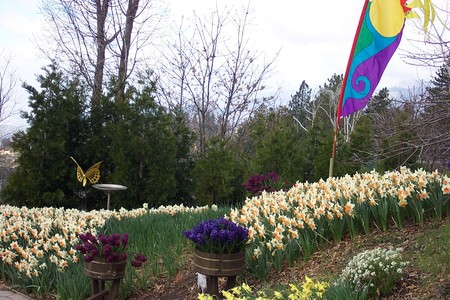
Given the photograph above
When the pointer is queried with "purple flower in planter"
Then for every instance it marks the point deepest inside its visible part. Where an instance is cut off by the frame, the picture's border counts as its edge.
(218, 236)
(112, 248)
(124, 239)
(88, 258)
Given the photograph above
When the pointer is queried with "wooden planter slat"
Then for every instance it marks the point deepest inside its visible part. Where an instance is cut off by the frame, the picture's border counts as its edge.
(99, 271)
(215, 265)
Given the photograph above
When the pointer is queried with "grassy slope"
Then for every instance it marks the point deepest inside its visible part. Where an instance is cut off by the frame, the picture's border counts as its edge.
(426, 247)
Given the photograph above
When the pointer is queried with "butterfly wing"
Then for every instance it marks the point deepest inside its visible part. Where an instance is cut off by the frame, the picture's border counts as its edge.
(80, 174)
(93, 173)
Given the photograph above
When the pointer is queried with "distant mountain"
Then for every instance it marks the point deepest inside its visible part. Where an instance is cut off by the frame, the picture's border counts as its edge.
(6, 131)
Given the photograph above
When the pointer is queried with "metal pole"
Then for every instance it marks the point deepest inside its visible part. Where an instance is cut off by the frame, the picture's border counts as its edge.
(107, 204)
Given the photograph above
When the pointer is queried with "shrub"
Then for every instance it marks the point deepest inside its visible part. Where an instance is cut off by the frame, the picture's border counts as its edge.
(269, 182)
(378, 269)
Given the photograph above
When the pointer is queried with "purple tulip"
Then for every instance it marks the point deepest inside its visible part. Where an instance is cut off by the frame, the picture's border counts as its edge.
(136, 263)
(88, 258)
(140, 257)
(124, 239)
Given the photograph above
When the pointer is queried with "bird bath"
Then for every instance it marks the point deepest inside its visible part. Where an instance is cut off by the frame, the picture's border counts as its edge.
(108, 188)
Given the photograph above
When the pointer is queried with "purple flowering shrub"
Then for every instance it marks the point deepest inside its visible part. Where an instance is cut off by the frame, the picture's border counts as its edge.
(218, 236)
(110, 247)
(269, 182)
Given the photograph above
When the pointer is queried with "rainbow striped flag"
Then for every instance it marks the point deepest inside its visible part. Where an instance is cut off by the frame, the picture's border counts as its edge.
(378, 36)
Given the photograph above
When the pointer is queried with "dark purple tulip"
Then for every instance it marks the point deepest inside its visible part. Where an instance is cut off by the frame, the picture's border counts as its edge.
(122, 257)
(91, 238)
(124, 239)
(88, 258)
(103, 239)
(136, 263)
(107, 251)
(95, 251)
(140, 257)
(83, 238)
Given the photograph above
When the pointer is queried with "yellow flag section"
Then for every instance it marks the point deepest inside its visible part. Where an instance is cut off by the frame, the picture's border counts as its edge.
(382, 10)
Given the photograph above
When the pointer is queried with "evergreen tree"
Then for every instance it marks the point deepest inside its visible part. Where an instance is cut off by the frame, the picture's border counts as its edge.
(143, 150)
(367, 140)
(278, 149)
(434, 122)
(379, 103)
(217, 175)
(45, 175)
(300, 106)
(184, 139)
(316, 152)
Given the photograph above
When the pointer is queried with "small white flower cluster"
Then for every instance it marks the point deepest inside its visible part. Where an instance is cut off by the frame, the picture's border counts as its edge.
(374, 267)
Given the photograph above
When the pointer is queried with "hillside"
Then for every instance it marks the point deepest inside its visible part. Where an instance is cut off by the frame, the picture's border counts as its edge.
(426, 247)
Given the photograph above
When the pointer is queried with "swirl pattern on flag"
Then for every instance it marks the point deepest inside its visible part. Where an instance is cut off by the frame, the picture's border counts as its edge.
(379, 37)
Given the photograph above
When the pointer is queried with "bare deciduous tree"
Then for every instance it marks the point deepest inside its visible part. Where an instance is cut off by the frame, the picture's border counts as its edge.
(325, 104)
(211, 70)
(8, 85)
(432, 47)
(98, 38)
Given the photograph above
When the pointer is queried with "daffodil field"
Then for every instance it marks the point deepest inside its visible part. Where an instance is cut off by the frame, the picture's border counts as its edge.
(37, 245)
(284, 226)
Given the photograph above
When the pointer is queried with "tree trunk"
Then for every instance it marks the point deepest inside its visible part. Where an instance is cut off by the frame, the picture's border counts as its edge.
(132, 9)
(102, 12)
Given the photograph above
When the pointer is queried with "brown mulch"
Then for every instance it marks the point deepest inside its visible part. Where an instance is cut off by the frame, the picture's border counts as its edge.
(329, 261)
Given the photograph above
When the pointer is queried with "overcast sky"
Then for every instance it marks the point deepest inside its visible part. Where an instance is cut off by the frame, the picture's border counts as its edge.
(315, 39)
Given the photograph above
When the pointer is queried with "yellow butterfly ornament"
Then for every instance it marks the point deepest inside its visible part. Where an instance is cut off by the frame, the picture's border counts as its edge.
(92, 174)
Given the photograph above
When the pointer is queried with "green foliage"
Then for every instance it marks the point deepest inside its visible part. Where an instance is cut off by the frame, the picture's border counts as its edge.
(216, 174)
(278, 151)
(57, 129)
(345, 291)
(274, 144)
(143, 151)
(184, 139)
(140, 145)
(379, 104)
(73, 283)
(300, 107)
(316, 152)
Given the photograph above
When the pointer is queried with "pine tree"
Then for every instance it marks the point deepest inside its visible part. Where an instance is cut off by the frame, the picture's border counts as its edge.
(57, 128)
(300, 106)
(143, 150)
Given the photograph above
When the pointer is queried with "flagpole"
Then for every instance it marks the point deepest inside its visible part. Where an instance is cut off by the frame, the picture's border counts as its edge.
(344, 83)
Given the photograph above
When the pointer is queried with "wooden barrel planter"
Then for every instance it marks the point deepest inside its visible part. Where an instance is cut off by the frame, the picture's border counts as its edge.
(99, 271)
(215, 265)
